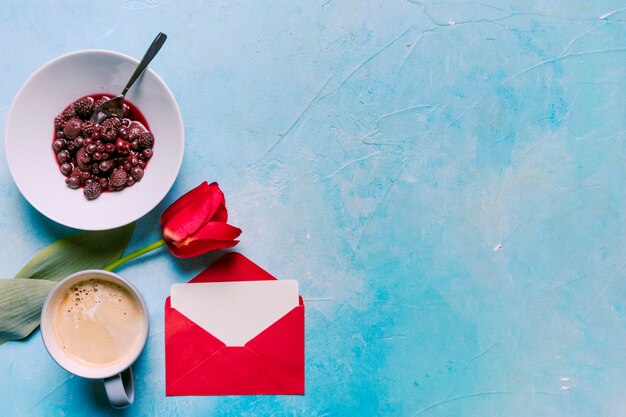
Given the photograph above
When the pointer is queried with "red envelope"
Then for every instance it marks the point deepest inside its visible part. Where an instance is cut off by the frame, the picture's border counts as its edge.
(197, 363)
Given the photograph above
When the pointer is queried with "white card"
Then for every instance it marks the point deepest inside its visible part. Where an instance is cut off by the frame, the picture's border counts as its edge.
(235, 312)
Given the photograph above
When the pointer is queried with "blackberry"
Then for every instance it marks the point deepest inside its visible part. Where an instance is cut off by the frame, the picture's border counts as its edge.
(92, 190)
(98, 103)
(59, 122)
(111, 123)
(118, 177)
(84, 107)
(69, 113)
(145, 140)
(88, 128)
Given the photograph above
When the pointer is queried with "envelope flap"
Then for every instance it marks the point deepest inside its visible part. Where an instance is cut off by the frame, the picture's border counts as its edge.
(232, 266)
(235, 312)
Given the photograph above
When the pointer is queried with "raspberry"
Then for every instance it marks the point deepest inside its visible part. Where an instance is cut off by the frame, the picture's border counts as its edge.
(146, 140)
(84, 107)
(118, 177)
(88, 128)
(109, 128)
(92, 190)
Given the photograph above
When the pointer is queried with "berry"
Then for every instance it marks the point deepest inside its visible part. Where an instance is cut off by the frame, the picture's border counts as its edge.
(105, 166)
(109, 134)
(136, 173)
(146, 140)
(63, 157)
(58, 122)
(92, 148)
(67, 168)
(130, 181)
(84, 107)
(122, 146)
(147, 153)
(58, 145)
(109, 147)
(92, 190)
(98, 103)
(83, 159)
(69, 113)
(104, 183)
(72, 127)
(88, 128)
(97, 134)
(73, 181)
(109, 128)
(111, 123)
(118, 177)
(79, 142)
(71, 148)
(135, 129)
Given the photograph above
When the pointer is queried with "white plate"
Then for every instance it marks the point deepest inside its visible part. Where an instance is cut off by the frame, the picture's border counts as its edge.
(29, 133)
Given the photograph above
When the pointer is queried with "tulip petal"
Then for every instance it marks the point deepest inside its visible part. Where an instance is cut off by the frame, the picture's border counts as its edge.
(184, 201)
(221, 214)
(214, 235)
(200, 247)
(198, 210)
(217, 231)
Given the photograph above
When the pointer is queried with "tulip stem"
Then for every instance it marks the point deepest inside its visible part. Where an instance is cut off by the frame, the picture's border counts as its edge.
(134, 255)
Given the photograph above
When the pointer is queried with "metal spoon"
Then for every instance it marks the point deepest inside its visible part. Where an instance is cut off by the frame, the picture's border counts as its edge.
(114, 106)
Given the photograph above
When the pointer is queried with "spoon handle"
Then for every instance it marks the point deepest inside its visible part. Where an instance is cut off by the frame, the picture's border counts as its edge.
(154, 48)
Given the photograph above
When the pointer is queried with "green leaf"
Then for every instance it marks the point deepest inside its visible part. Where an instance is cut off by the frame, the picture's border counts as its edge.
(84, 250)
(20, 306)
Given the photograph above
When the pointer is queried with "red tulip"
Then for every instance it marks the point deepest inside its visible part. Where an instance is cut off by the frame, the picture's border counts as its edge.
(196, 223)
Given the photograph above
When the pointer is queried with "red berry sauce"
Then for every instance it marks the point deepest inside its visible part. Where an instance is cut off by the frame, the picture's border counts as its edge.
(110, 156)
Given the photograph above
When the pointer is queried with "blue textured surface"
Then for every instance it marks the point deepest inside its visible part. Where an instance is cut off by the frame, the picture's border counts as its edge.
(446, 181)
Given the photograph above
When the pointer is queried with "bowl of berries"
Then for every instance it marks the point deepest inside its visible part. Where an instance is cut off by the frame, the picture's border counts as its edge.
(93, 176)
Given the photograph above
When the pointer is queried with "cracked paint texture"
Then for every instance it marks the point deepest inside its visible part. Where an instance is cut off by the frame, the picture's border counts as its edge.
(446, 181)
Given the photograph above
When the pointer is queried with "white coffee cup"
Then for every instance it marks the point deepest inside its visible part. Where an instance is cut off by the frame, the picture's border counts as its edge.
(94, 324)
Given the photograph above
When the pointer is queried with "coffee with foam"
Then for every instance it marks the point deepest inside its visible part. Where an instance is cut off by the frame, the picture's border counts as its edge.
(99, 322)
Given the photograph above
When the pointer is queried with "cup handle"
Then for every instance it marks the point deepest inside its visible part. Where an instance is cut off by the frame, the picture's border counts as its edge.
(120, 389)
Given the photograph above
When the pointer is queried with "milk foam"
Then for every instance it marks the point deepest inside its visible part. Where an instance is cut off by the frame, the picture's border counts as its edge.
(99, 322)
